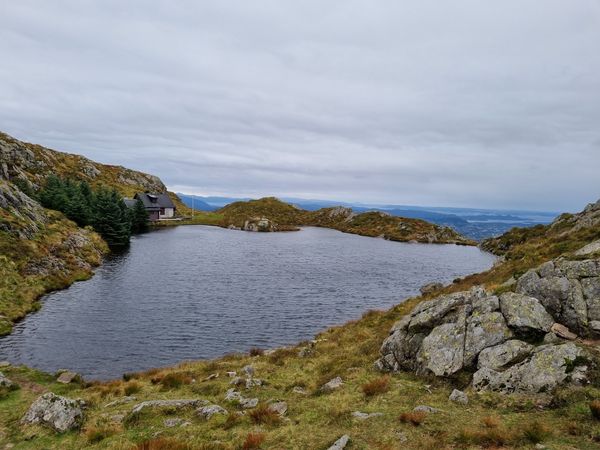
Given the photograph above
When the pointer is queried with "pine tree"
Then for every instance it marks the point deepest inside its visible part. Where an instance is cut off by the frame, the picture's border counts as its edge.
(139, 222)
(76, 207)
(53, 195)
(110, 219)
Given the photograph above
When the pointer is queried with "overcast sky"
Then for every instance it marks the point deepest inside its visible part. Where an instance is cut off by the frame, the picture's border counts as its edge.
(449, 103)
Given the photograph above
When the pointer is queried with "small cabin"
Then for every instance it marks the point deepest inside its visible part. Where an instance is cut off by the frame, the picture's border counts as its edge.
(159, 206)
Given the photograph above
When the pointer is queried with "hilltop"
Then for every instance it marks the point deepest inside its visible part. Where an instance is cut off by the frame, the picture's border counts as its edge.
(271, 214)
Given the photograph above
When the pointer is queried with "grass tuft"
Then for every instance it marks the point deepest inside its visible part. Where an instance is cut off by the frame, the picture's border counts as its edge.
(263, 415)
(377, 386)
(163, 444)
(253, 441)
(595, 409)
(415, 418)
(133, 387)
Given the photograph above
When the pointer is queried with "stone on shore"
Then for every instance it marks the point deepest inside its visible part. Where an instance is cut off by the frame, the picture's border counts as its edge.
(56, 412)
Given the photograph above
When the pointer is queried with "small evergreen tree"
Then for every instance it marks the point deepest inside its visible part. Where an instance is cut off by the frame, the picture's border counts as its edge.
(111, 219)
(139, 220)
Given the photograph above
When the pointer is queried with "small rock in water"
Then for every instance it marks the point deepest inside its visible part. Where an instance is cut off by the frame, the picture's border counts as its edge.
(459, 397)
(67, 377)
(341, 443)
(332, 385)
(426, 409)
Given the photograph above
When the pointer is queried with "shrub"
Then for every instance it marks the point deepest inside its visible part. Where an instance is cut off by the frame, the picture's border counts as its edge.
(279, 356)
(97, 434)
(163, 444)
(255, 351)
(264, 415)
(377, 386)
(490, 421)
(535, 432)
(231, 421)
(595, 409)
(132, 387)
(174, 380)
(414, 417)
(253, 441)
(575, 429)
(490, 437)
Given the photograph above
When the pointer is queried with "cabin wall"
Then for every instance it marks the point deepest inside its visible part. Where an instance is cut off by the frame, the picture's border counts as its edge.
(167, 213)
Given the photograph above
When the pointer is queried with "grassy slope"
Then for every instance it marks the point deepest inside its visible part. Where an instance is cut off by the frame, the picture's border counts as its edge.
(374, 224)
(54, 256)
(314, 421)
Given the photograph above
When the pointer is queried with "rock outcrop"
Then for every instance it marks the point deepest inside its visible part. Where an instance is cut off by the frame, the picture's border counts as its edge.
(59, 413)
(33, 163)
(517, 342)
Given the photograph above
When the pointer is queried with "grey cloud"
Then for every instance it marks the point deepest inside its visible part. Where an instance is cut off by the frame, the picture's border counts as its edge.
(464, 103)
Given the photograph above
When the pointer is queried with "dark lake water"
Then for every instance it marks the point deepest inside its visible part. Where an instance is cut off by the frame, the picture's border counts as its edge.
(194, 292)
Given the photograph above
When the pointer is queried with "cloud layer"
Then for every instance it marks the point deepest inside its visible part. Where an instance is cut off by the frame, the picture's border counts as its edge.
(463, 103)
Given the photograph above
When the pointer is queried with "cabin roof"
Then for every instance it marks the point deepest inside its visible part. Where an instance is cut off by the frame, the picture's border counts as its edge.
(154, 201)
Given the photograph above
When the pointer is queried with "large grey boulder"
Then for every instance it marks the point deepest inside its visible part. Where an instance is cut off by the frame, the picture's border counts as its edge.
(442, 350)
(505, 354)
(526, 315)
(483, 331)
(569, 290)
(548, 367)
(59, 413)
(444, 335)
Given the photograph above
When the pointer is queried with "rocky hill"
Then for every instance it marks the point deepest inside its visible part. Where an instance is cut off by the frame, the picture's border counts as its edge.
(28, 165)
(271, 214)
(40, 250)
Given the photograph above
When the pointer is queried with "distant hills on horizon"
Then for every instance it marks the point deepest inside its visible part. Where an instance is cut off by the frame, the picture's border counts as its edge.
(475, 223)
